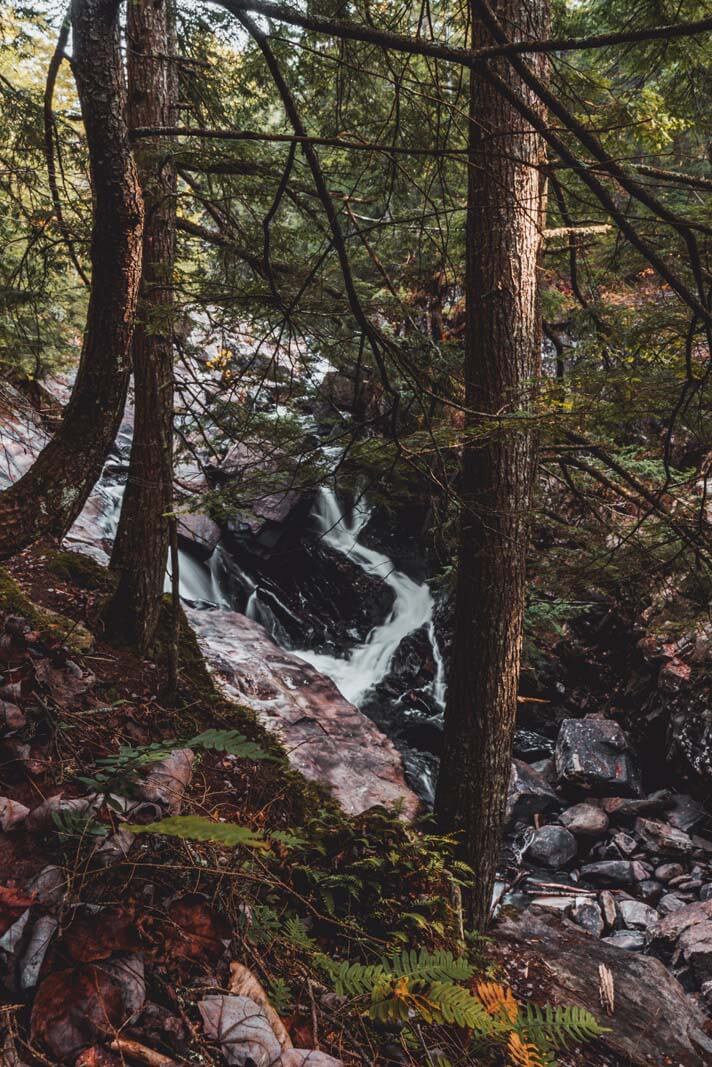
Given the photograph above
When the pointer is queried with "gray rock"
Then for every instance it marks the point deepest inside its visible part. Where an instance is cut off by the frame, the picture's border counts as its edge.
(706, 994)
(636, 915)
(664, 839)
(631, 940)
(588, 915)
(625, 844)
(667, 871)
(650, 890)
(669, 903)
(695, 944)
(609, 873)
(608, 907)
(546, 768)
(585, 819)
(199, 532)
(528, 794)
(552, 846)
(706, 892)
(626, 809)
(593, 753)
(668, 929)
(654, 1021)
(685, 813)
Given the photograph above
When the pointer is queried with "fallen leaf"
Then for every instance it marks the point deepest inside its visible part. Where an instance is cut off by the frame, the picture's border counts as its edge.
(13, 903)
(242, 1030)
(299, 1057)
(196, 931)
(31, 963)
(76, 1007)
(243, 983)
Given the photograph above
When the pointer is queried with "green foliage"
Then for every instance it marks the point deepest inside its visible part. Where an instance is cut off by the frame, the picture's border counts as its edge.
(197, 828)
(425, 985)
(119, 772)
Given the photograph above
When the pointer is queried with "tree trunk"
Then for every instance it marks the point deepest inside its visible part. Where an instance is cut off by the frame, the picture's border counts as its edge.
(141, 547)
(47, 500)
(502, 359)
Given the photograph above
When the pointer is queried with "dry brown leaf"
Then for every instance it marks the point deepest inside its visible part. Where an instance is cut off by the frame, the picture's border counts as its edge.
(243, 983)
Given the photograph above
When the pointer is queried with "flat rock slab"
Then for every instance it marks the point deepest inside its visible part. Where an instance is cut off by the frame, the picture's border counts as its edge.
(593, 754)
(328, 739)
(654, 1023)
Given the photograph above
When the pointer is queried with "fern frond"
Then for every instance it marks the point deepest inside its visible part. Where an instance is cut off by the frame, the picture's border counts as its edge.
(455, 1004)
(232, 742)
(356, 979)
(558, 1026)
(424, 966)
(524, 1053)
(498, 1000)
(196, 828)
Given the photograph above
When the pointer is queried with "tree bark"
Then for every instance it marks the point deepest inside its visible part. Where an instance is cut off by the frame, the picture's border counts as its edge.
(502, 361)
(141, 546)
(47, 500)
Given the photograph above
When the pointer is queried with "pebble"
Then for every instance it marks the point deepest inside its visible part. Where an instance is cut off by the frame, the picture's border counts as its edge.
(589, 916)
(669, 903)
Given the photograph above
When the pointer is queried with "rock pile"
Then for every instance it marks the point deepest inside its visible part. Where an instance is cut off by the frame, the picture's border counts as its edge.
(630, 869)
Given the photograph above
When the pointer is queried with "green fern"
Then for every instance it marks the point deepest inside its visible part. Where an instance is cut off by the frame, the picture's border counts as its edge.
(118, 772)
(196, 828)
(559, 1026)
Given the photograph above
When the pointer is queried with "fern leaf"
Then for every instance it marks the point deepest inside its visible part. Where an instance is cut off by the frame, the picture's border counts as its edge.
(456, 1005)
(559, 1026)
(196, 828)
(231, 742)
(523, 1053)
(498, 1000)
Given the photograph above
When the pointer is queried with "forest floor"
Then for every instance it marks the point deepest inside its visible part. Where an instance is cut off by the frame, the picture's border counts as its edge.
(80, 897)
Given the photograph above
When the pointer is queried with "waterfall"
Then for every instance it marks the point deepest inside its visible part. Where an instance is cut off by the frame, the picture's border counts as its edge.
(367, 664)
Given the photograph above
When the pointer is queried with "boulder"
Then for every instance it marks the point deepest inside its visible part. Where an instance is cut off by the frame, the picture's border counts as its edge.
(552, 846)
(586, 819)
(668, 929)
(593, 753)
(652, 1023)
(528, 793)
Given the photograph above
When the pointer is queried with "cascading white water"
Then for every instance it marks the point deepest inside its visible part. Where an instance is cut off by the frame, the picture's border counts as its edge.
(367, 664)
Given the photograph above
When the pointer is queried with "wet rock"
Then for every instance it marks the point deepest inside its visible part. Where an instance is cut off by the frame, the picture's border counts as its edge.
(636, 915)
(593, 753)
(630, 940)
(667, 871)
(589, 916)
(199, 533)
(588, 820)
(610, 873)
(706, 891)
(664, 839)
(648, 999)
(552, 846)
(329, 740)
(528, 793)
(530, 746)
